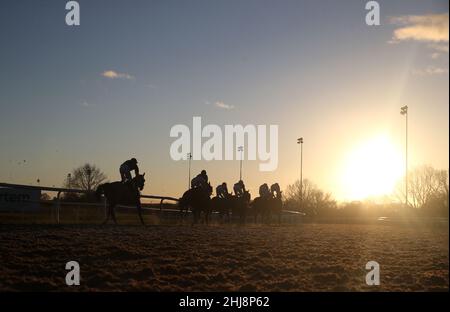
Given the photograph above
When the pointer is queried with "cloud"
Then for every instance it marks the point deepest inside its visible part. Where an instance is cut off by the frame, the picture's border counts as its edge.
(84, 104)
(439, 47)
(222, 105)
(430, 70)
(435, 55)
(439, 50)
(111, 74)
(425, 28)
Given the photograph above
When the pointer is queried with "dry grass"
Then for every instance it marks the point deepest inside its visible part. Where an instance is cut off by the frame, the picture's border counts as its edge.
(305, 257)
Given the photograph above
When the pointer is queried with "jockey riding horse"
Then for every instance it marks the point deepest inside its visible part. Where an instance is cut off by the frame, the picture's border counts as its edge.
(198, 197)
(119, 193)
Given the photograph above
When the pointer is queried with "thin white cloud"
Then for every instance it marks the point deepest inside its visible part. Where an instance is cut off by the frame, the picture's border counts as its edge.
(112, 74)
(439, 47)
(84, 104)
(435, 55)
(222, 105)
(426, 28)
(429, 71)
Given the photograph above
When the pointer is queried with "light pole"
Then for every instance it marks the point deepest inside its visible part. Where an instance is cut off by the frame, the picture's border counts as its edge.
(404, 111)
(300, 141)
(240, 149)
(189, 156)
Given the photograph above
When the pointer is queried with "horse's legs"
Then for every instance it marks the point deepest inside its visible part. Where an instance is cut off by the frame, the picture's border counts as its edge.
(139, 208)
(241, 214)
(194, 216)
(108, 214)
(113, 214)
(181, 213)
(197, 216)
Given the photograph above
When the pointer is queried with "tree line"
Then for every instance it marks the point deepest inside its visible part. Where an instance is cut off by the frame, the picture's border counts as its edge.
(428, 194)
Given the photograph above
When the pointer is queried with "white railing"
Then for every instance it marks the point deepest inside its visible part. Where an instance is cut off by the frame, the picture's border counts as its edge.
(60, 190)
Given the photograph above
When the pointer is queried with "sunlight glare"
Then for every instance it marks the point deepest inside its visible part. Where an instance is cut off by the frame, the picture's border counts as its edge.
(372, 169)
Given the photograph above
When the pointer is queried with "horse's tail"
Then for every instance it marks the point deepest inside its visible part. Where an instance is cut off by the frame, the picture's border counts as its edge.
(186, 200)
(99, 192)
(182, 202)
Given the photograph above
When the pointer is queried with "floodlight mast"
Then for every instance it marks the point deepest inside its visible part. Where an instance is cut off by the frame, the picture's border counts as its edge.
(404, 111)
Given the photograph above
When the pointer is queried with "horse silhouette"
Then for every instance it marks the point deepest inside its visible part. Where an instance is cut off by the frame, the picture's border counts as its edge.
(118, 193)
(232, 204)
(222, 206)
(275, 206)
(261, 207)
(265, 207)
(198, 200)
(240, 206)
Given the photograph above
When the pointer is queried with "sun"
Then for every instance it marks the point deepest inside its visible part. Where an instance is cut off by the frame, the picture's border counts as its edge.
(372, 168)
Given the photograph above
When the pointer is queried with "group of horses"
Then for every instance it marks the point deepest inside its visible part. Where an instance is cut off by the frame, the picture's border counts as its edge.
(197, 200)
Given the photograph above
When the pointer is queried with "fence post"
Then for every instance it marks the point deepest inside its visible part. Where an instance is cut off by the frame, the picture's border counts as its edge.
(105, 206)
(58, 204)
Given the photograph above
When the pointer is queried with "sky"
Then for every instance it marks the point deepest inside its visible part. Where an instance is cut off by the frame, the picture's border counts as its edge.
(113, 87)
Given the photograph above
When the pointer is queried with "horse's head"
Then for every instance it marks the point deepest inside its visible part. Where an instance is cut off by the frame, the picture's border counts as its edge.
(209, 189)
(247, 196)
(279, 195)
(139, 181)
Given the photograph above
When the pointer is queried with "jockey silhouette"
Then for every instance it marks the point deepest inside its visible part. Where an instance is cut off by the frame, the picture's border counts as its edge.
(126, 168)
(264, 191)
(222, 190)
(275, 188)
(239, 188)
(200, 181)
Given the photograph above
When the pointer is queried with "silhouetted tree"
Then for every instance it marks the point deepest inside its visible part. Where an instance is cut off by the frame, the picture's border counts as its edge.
(87, 177)
(45, 196)
(427, 187)
(308, 198)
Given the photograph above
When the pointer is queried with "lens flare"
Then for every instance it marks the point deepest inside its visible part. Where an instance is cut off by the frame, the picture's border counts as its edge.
(372, 169)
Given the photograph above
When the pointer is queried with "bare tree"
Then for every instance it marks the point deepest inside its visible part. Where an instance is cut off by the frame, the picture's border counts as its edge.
(87, 177)
(45, 196)
(425, 184)
(308, 198)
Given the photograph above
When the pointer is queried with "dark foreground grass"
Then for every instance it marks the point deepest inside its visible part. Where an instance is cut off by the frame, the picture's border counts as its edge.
(302, 257)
